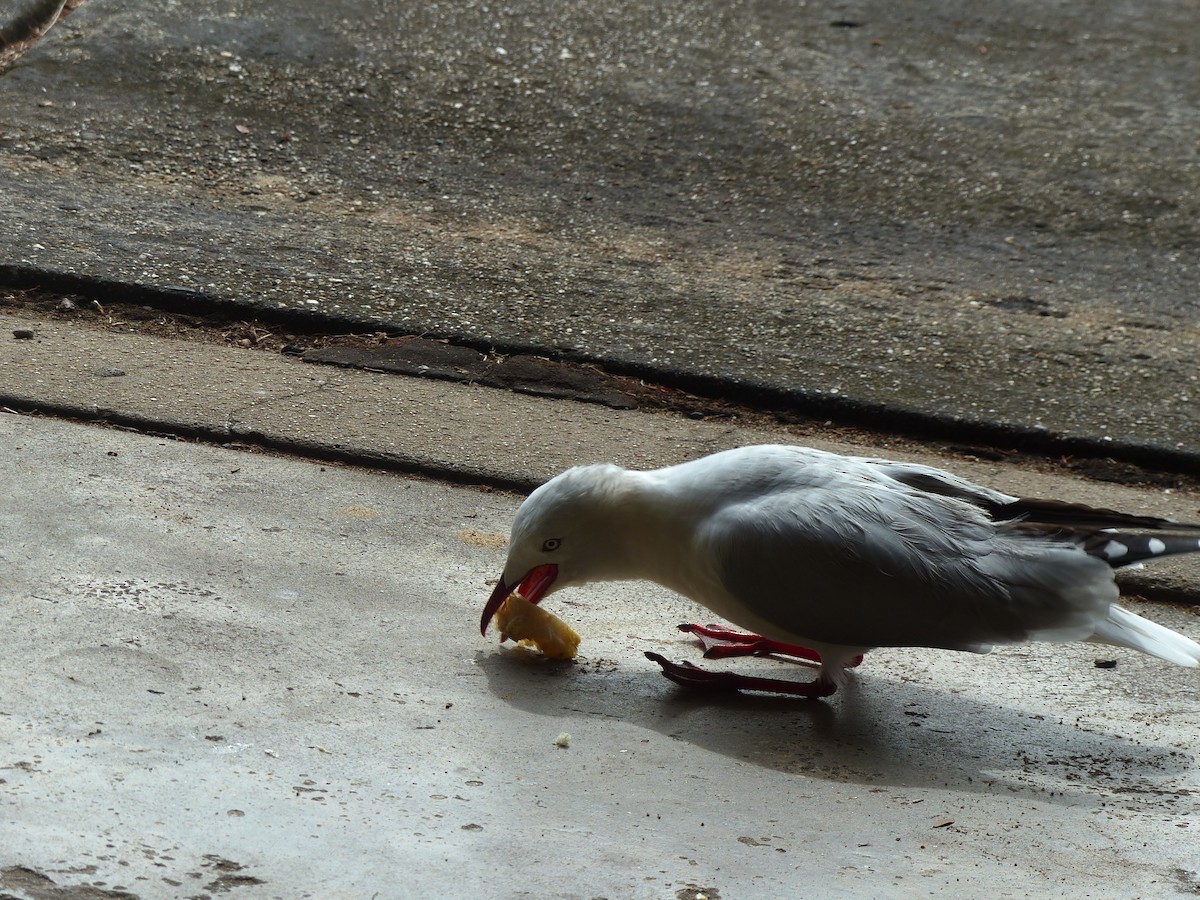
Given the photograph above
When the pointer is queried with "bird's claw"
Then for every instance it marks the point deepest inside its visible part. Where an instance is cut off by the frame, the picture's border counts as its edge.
(720, 642)
(693, 677)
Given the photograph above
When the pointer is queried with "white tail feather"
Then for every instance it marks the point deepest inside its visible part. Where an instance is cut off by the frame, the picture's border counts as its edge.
(1124, 629)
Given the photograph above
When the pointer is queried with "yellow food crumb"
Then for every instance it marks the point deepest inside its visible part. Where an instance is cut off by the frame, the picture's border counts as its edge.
(563, 740)
(520, 620)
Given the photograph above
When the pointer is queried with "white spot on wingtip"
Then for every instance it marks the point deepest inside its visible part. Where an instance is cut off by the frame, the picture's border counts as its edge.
(1114, 550)
(1155, 545)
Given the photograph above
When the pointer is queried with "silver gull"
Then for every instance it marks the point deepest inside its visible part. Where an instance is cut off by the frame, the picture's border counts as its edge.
(825, 557)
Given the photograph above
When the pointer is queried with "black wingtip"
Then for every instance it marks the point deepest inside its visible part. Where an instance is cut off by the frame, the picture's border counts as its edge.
(1036, 511)
(1119, 548)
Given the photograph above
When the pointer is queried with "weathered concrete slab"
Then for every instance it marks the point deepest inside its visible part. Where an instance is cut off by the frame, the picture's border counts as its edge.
(959, 211)
(444, 430)
(233, 674)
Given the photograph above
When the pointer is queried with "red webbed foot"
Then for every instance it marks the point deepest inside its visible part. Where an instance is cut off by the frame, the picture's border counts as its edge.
(720, 642)
(693, 677)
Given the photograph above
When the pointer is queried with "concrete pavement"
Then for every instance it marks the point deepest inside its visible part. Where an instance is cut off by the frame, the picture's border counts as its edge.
(237, 673)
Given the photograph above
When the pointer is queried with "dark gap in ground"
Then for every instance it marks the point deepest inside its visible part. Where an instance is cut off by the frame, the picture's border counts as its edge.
(254, 442)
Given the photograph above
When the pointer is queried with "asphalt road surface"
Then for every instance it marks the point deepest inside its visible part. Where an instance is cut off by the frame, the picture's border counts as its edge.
(964, 213)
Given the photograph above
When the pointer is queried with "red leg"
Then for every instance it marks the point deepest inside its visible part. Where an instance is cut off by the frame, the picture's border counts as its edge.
(689, 676)
(720, 642)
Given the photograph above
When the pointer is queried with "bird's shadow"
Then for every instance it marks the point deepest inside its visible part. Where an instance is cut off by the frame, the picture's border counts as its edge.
(877, 731)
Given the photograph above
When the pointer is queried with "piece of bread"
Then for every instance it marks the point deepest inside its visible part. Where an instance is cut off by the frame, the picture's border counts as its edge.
(522, 621)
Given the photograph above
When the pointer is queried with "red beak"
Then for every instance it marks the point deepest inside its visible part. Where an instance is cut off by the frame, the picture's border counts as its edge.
(532, 587)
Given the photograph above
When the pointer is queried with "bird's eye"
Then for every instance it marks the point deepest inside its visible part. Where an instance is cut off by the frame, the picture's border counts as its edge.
(551, 544)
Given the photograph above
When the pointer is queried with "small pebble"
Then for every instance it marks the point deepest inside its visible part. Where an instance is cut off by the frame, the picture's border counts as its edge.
(23, 334)
(1105, 664)
(66, 305)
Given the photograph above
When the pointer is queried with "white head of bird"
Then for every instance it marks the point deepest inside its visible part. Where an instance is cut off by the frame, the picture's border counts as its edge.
(577, 527)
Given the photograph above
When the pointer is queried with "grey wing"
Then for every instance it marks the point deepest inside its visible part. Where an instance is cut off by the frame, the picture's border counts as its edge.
(1006, 507)
(942, 483)
(862, 567)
